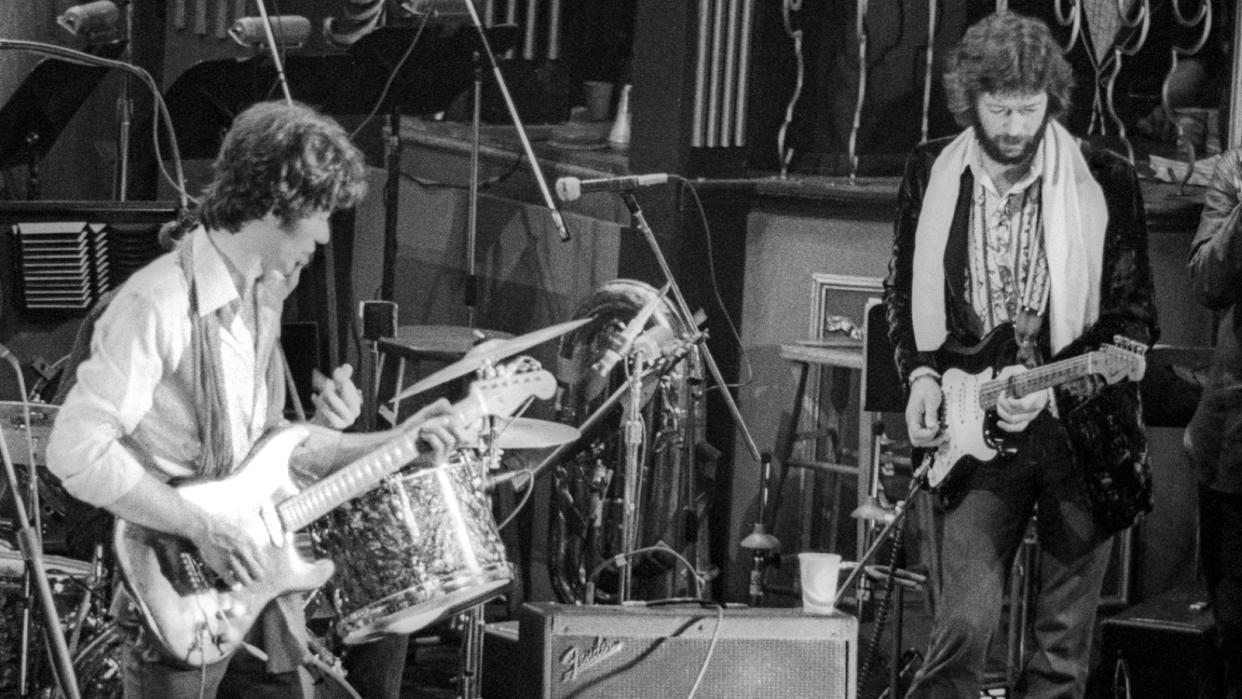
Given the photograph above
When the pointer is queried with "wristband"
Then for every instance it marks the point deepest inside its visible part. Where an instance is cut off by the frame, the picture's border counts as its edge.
(920, 372)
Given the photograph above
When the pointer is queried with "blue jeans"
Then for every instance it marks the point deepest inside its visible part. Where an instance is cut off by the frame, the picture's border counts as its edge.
(978, 538)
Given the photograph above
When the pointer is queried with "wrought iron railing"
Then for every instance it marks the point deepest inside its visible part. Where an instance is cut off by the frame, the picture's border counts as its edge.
(1107, 32)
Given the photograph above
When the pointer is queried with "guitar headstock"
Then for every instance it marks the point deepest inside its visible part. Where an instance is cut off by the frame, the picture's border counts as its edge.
(502, 395)
(1123, 359)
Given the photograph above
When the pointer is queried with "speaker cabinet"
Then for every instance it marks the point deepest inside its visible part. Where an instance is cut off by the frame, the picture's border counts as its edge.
(1162, 648)
(611, 651)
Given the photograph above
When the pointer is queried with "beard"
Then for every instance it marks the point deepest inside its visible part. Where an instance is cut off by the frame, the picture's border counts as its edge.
(992, 145)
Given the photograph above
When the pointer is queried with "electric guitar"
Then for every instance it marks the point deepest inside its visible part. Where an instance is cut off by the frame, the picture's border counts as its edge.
(195, 616)
(969, 399)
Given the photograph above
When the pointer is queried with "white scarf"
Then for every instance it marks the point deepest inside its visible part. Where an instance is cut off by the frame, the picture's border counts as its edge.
(1075, 219)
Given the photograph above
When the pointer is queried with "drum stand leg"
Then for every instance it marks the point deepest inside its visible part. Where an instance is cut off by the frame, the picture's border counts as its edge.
(470, 676)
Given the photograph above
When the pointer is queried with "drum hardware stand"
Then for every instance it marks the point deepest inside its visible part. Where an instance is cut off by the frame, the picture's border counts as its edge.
(640, 222)
(900, 509)
(470, 674)
(379, 320)
(597, 416)
(93, 582)
(634, 436)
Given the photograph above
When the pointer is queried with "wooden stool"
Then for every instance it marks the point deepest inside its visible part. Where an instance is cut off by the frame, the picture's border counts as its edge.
(420, 343)
(845, 354)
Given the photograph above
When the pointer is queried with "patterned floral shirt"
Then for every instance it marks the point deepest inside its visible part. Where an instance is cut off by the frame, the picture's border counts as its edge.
(1008, 268)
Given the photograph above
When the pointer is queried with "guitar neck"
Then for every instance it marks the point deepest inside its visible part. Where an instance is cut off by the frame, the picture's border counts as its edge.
(1036, 379)
(349, 482)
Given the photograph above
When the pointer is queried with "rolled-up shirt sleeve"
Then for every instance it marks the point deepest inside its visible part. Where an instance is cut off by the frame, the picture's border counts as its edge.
(132, 348)
(1216, 251)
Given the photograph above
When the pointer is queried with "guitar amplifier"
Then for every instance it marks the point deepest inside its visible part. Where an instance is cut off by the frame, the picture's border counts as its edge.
(610, 651)
(1161, 648)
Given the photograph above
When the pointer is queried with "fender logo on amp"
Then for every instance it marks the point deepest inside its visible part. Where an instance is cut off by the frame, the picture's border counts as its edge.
(576, 661)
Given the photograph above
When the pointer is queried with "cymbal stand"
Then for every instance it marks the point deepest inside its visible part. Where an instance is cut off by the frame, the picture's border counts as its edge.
(640, 222)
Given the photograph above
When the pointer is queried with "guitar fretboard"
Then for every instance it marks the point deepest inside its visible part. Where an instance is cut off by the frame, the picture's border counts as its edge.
(348, 483)
(1036, 379)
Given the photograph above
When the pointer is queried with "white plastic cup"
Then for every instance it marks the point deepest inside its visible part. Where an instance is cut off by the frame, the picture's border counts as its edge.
(818, 573)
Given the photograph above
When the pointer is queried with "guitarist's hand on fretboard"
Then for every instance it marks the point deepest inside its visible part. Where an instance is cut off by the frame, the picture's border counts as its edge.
(923, 412)
(1017, 412)
(439, 428)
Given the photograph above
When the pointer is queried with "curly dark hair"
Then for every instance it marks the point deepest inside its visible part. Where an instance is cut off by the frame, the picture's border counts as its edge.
(1006, 53)
(286, 159)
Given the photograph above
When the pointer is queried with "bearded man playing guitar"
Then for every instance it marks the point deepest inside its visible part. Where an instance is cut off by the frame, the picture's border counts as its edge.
(185, 376)
(1017, 245)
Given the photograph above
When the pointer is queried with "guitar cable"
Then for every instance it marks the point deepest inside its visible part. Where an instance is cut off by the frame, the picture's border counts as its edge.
(881, 613)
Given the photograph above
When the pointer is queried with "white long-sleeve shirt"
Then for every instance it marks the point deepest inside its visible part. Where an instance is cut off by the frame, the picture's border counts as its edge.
(138, 384)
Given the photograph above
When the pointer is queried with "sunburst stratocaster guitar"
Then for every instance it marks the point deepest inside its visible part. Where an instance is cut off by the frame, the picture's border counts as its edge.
(968, 397)
(197, 618)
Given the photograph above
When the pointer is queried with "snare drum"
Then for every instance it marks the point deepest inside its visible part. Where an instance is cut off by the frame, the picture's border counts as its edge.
(420, 547)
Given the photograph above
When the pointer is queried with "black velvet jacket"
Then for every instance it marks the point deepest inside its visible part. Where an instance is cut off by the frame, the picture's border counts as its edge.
(1105, 430)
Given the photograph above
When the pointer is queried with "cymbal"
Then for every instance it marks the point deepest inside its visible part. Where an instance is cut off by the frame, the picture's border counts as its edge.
(529, 433)
(491, 352)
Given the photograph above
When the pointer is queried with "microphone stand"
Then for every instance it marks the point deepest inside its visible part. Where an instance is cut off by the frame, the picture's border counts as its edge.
(640, 222)
(472, 205)
(557, 218)
(276, 62)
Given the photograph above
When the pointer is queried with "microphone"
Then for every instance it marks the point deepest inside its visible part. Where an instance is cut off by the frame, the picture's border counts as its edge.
(570, 188)
(91, 18)
(289, 30)
(597, 375)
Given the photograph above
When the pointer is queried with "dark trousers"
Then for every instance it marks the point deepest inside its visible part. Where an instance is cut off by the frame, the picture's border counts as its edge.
(374, 671)
(978, 538)
(243, 675)
(1220, 554)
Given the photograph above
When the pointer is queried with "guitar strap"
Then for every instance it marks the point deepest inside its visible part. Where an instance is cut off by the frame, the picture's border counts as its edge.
(1025, 330)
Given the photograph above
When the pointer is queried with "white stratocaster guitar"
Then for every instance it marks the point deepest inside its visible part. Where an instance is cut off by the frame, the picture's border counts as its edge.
(968, 398)
(199, 619)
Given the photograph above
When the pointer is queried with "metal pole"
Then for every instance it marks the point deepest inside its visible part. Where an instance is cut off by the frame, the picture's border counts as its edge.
(640, 222)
